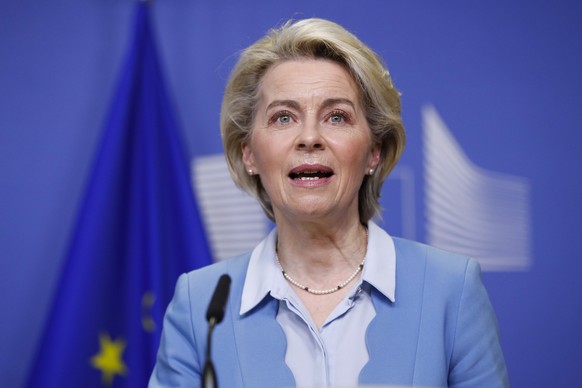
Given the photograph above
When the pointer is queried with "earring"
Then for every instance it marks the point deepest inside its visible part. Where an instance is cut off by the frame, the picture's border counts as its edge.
(371, 171)
(250, 171)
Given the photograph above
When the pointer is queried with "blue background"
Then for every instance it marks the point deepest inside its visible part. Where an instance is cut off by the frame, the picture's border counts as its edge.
(506, 77)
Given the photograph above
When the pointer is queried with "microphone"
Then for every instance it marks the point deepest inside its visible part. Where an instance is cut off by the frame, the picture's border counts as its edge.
(218, 302)
(214, 316)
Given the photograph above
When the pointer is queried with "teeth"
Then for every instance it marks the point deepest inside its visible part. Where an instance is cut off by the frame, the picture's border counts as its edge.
(310, 175)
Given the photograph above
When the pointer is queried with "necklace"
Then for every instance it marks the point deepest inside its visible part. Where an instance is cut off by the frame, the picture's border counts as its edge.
(329, 290)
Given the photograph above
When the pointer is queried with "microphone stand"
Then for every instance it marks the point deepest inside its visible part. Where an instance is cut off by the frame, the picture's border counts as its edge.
(209, 374)
(214, 316)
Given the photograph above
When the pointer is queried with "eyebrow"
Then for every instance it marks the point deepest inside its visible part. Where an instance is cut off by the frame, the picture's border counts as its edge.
(285, 103)
(336, 101)
(326, 104)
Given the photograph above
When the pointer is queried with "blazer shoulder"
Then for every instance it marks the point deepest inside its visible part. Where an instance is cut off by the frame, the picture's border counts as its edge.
(435, 259)
(434, 272)
(203, 280)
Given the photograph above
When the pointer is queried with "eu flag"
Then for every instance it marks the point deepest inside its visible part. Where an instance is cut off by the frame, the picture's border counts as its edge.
(137, 230)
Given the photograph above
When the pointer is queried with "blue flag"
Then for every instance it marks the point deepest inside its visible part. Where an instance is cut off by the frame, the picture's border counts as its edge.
(137, 230)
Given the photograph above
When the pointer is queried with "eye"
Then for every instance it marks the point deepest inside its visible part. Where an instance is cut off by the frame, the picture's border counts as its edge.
(284, 119)
(281, 118)
(338, 117)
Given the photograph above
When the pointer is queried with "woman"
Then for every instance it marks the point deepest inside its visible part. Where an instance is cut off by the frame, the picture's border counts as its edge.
(311, 126)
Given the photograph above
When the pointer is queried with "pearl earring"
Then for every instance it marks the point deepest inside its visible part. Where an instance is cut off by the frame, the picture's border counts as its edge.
(371, 171)
(250, 171)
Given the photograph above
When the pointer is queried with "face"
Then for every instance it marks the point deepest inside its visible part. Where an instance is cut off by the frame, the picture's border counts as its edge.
(310, 141)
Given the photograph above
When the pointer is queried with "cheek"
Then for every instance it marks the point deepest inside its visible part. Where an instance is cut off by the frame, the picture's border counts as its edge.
(269, 150)
(266, 163)
(356, 153)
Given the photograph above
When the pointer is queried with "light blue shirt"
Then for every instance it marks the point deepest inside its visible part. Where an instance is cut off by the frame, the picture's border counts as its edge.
(335, 354)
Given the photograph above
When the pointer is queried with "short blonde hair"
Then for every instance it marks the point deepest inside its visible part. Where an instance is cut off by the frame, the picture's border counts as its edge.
(317, 39)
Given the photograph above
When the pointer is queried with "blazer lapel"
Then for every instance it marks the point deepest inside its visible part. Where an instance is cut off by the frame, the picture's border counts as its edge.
(260, 341)
(392, 336)
(261, 347)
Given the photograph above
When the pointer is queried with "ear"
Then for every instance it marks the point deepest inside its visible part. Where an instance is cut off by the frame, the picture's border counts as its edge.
(374, 157)
(248, 157)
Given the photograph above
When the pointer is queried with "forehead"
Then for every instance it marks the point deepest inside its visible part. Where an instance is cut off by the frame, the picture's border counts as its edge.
(308, 78)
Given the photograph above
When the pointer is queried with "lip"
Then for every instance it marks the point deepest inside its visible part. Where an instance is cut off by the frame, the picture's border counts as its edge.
(307, 182)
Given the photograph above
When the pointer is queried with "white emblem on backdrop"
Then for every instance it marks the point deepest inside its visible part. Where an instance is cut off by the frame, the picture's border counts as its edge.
(234, 221)
(472, 211)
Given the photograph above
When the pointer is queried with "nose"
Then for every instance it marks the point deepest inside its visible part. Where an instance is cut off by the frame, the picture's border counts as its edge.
(309, 138)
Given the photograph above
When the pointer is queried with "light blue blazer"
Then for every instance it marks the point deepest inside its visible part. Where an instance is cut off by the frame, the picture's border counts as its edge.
(441, 331)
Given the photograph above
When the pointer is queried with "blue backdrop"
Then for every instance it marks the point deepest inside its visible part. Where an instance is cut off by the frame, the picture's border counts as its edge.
(503, 77)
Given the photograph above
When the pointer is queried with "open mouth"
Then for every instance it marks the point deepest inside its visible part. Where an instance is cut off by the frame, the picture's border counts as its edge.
(310, 175)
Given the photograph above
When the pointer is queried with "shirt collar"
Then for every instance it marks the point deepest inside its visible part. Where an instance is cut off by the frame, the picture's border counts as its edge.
(262, 274)
(264, 277)
(380, 267)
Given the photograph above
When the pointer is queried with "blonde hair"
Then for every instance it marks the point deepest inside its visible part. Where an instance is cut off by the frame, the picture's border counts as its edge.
(317, 39)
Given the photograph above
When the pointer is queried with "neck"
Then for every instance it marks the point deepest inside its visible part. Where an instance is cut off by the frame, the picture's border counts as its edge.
(321, 257)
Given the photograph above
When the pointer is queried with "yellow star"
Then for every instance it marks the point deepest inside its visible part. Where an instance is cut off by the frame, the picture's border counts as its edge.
(109, 360)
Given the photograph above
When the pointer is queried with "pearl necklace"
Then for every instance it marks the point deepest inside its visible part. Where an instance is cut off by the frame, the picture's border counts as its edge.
(329, 290)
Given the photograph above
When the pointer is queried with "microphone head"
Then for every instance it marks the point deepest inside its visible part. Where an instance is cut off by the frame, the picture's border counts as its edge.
(218, 302)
